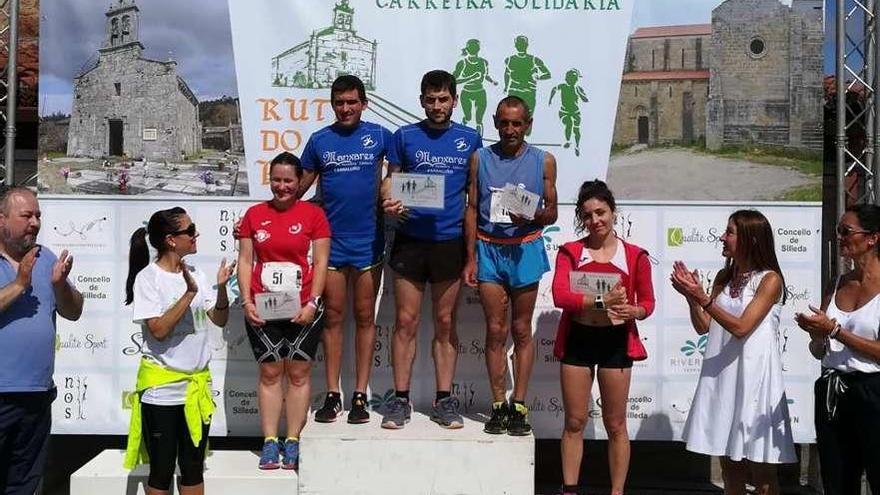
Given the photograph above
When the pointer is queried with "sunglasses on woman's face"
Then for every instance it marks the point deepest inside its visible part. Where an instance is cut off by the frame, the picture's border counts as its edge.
(190, 231)
(844, 230)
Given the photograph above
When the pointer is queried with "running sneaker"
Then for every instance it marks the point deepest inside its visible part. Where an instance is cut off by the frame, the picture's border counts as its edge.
(445, 413)
(518, 421)
(358, 413)
(497, 424)
(331, 409)
(269, 458)
(397, 414)
(290, 457)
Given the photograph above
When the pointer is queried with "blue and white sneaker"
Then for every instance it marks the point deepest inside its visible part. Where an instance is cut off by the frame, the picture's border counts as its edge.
(290, 457)
(269, 458)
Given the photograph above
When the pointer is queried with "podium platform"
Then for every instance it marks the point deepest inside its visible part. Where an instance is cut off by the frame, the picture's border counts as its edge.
(226, 473)
(421, 459)
(344, 459)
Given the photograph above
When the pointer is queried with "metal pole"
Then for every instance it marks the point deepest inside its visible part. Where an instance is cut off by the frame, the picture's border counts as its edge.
(870, 156)
(11, 92)
(840, 34)
(875, 62)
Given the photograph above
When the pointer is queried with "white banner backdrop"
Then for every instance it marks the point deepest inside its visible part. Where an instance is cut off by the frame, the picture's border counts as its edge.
(97, 356)
(564, 57)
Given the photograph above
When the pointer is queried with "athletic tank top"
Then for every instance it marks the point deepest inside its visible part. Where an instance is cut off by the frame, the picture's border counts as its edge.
(494, 171)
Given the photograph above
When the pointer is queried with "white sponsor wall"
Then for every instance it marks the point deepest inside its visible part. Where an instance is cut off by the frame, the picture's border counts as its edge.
(97, 356)
(287, 53)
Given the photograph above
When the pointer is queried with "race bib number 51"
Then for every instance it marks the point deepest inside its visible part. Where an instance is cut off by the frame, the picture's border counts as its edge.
(281, 277)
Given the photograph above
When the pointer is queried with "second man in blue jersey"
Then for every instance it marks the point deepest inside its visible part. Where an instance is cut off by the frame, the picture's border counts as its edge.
(429, 246)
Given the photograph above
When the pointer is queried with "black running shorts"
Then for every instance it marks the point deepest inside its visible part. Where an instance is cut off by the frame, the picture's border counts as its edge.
(427, 261)
(282, 339)
(604, 347)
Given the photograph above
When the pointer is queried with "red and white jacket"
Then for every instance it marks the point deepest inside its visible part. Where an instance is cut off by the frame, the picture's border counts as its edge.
(573, 256)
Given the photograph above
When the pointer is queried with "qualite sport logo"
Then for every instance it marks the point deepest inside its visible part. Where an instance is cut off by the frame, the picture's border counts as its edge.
(674, 236)
(461, 144)
(368, 141)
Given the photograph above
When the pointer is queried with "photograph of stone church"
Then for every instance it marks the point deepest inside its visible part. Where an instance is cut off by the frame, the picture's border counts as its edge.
(747, 81)
(136, 125)
(328, 53)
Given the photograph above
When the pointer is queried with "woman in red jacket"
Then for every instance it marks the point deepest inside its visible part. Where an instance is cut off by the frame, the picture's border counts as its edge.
(603, 285)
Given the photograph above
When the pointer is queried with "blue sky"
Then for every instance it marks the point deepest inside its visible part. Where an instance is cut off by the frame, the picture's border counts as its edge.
(669, 12)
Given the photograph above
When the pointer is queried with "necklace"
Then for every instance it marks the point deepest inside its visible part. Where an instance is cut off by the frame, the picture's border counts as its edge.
(738, 283)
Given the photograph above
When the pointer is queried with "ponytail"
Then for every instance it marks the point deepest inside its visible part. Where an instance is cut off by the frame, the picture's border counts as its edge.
(138, 259)
(161, 223)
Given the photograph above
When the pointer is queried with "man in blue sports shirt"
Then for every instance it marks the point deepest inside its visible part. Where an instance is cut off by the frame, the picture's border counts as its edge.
(33, 289)
(348, 157)
(429, 246)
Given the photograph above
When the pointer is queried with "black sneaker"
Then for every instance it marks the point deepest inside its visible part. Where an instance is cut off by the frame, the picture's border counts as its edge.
(518, 421)
(358, 413)
(497, 424)
(331, 409)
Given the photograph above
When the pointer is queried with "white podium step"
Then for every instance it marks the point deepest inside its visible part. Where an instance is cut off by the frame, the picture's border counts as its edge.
(421, 459)
(226, 472)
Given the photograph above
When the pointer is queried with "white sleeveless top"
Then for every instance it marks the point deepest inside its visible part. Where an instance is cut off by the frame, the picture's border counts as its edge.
(864, 322)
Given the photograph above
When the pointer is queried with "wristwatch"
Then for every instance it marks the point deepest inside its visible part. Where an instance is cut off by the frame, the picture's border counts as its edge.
(315, 301)
(599, 302)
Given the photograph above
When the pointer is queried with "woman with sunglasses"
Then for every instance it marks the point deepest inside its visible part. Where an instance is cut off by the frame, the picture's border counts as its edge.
(739, 411)
(844, 335)
(172, 302)
(275, 237)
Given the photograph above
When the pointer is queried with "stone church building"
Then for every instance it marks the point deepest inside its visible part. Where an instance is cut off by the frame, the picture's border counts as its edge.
(130, 104)
(664, 86)
(752, 76)
(328, 53)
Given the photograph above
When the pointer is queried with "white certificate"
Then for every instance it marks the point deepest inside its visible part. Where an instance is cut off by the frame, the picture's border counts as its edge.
(592, 283)
(497, 213)
(277, 305)
(519, 201)
(419, 190)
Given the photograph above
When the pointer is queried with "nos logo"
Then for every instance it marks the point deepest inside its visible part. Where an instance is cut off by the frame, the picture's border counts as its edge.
(690, 347)
(74, 397)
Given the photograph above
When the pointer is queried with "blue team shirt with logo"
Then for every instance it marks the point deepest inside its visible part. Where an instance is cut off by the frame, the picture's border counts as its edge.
(349, 162)
(419, 149)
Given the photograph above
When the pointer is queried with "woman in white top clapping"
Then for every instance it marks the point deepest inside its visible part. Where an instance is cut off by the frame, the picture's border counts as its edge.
(740, 412)
(844, 335)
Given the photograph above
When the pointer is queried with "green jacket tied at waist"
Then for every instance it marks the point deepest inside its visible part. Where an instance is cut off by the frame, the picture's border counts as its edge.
(198, 408)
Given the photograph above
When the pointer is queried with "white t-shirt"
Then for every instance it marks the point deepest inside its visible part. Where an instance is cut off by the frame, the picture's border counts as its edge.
(187, 347)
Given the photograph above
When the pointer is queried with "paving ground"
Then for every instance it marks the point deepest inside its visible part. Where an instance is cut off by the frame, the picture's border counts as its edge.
(680, 174)
(214, 174)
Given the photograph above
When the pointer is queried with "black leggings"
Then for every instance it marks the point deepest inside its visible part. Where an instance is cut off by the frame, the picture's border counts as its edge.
(167, 438)
(850, 443)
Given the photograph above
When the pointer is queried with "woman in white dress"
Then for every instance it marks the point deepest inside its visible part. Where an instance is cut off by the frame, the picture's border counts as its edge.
(740, 411)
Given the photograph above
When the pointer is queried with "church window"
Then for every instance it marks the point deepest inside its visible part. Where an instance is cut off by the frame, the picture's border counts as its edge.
(653, 60)
(757, 47)
(118, 88)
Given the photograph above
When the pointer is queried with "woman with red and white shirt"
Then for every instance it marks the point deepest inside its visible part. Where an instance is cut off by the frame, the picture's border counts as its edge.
(273, 267)
(603, 285)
